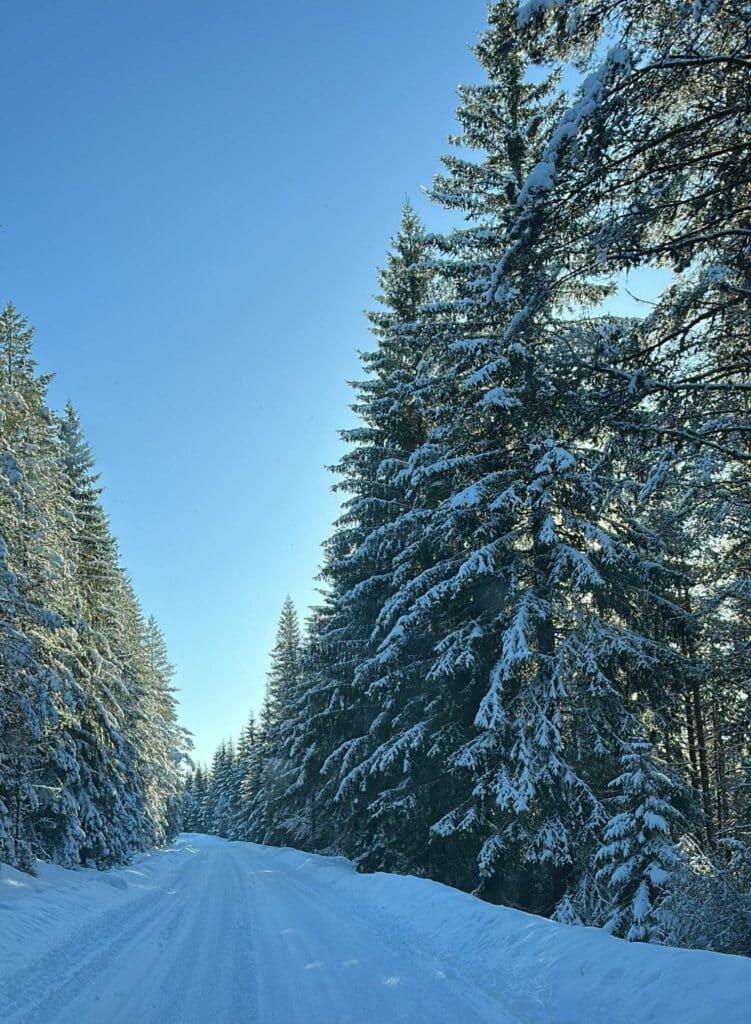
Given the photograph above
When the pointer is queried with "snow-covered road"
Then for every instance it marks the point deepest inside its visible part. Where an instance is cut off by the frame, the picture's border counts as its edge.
(225, 932)
(213, 932)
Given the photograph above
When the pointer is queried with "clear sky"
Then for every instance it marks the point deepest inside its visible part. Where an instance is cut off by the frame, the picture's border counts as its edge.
(194, 198)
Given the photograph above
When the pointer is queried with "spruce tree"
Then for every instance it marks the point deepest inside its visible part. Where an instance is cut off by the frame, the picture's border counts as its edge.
(39, 644)
(75, 685)
(639, 856)
(349, 719)
(267, 768)
(246, 780)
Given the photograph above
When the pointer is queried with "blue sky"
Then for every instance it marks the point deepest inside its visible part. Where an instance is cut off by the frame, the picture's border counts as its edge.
(194, 200)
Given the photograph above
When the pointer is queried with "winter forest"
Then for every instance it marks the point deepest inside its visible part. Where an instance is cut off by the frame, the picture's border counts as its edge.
(91, 752)
(528, 672)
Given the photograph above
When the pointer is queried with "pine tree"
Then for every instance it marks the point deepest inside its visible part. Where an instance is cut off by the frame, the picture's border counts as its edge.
(343, 719)
(195, 800)
(163, 743)
(188, 802)
(540, 577)
(306, 804)
(72, 644)
(38, 644)
(104, 784)
(518, 528)
(655, 149)
(246, 778)
(508, 552)
(267, 771)
(639, 855)
(219, 809)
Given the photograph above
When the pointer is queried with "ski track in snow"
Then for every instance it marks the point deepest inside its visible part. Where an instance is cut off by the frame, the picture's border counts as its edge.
(208, 932)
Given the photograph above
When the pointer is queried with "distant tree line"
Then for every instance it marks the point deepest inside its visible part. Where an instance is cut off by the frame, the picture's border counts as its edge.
(529, 673)
(90, 747)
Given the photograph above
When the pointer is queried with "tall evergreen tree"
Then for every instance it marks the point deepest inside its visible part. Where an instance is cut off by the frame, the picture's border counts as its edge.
(543, 550)
(341, 721)
(266, 822)
(72, 645)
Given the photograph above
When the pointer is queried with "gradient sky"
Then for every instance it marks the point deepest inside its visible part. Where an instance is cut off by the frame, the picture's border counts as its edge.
(194, 199)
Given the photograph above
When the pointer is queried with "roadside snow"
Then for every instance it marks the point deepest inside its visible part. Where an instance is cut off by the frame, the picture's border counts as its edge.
(211, 932)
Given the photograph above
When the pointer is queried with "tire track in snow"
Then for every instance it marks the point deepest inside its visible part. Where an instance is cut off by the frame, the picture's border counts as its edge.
(36, 994)
(236, 933)
(321, 961)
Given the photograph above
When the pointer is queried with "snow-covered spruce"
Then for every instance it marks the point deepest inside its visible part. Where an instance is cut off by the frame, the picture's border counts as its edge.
(544, 548)
(90, 748)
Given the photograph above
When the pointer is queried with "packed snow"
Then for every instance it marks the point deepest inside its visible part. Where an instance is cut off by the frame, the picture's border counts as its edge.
(214, 931)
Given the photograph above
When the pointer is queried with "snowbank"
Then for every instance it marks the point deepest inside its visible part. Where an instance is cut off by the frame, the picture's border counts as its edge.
(37, 913)
(544, 971)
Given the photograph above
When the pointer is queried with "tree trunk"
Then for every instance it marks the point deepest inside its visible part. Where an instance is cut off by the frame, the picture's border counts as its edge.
(691, 737)
(701, 736)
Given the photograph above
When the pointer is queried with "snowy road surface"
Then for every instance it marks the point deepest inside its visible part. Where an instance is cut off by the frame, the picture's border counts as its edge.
(213, 932)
